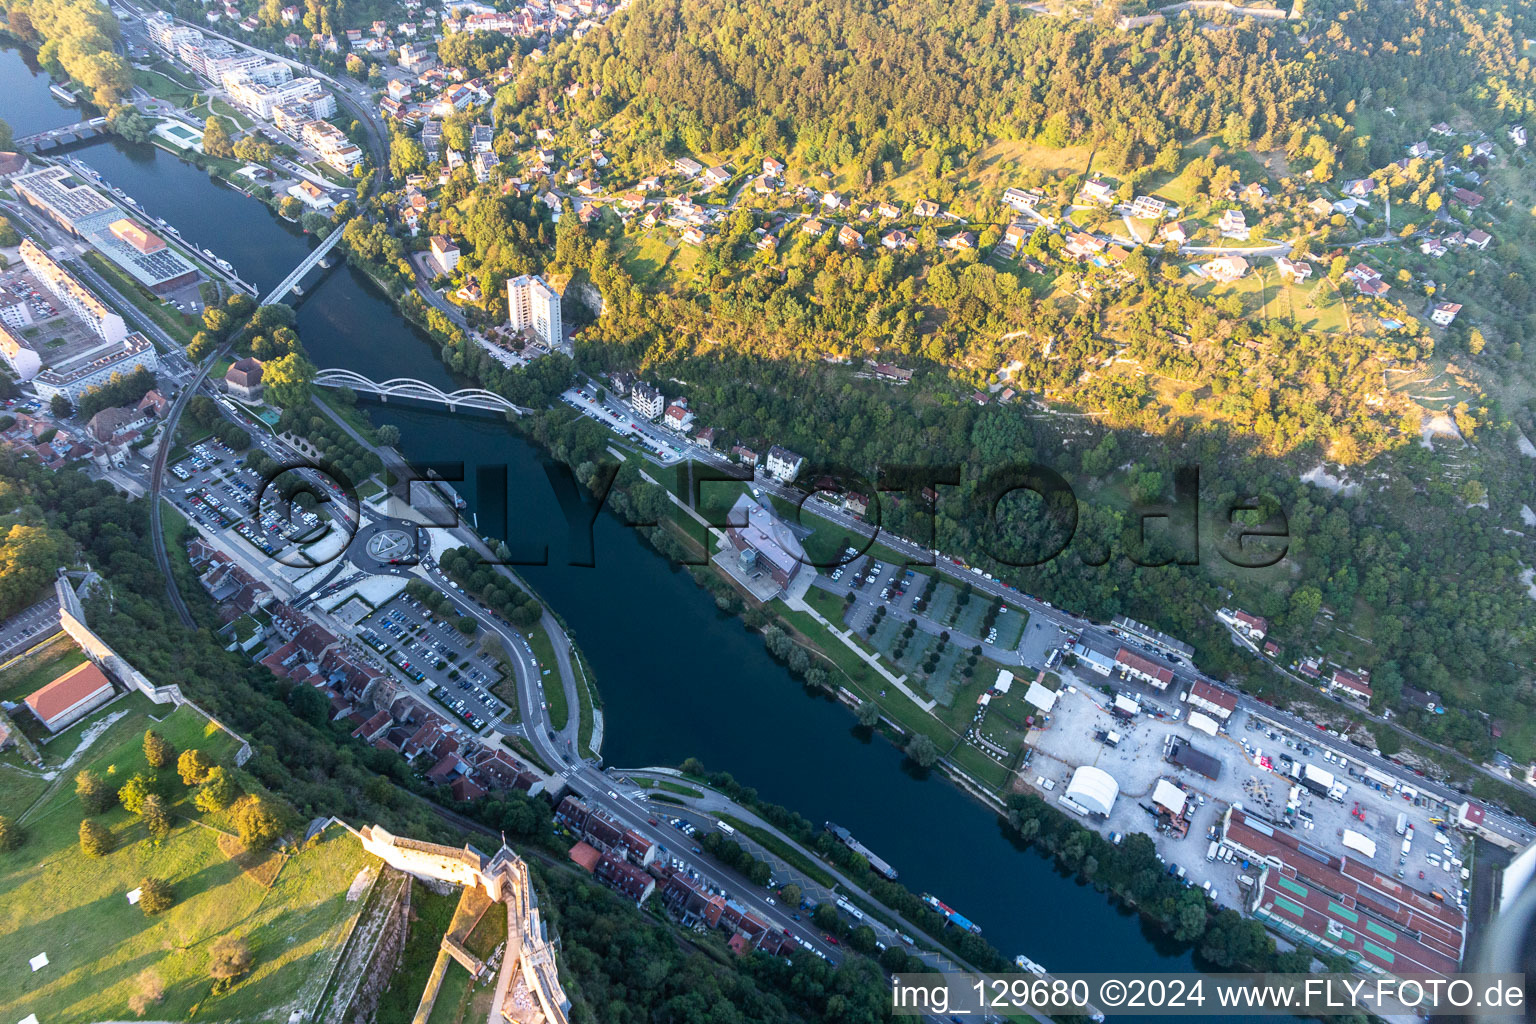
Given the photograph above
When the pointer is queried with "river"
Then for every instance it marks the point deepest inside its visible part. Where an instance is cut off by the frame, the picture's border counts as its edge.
(678, 678)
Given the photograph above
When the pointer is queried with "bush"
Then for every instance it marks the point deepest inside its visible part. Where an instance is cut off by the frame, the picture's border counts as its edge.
(151, 990)
(93, 792)
(229, 959)
(96, 840)
(11, 835)
(155, 896)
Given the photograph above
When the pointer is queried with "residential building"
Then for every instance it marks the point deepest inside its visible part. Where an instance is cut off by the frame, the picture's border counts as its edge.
(896, 240)
(1212, 700)
(73, 377)
(1478, 239)
(311, 195)
(1020, 199)
(1444, 313)
(70, 697)
(849, 237)
(1293, 270)
(445, 254)
(1360, 188)
(19, 356)
(1177, 232)
(783, 464)
(677, 417)
(533, 305)
(1471, 200)
(1099, 191)
(925, 208)
(1233, 224)
(106, 323)
(1148, 207)
(1255, 626)
(646, 400)
(1517, 135)
(687, 167)
(1225, 268)
(333, 145)
(772, 167)
(1138, 667)
(1356, 685)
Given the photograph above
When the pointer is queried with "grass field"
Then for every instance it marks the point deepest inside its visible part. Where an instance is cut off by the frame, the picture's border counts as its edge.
(554, 692)
(291, 910)
(39, 668)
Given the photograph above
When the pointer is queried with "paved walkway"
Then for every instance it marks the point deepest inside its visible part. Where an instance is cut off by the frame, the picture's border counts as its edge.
(797, 602)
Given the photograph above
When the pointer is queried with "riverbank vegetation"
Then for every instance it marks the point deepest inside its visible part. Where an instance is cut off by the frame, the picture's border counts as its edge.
(75, 39)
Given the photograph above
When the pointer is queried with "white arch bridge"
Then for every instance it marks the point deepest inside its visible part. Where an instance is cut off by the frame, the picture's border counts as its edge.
(409, 387)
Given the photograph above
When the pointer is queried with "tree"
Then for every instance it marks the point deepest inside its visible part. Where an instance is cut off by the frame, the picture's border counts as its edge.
(201, 346)
(11, 835)
(287, 380)
(151, 990)
(791, 895)
(6, 136)
(96, 840)
(134, 792)
(406, 157)
(60, 407)
(869, 714)
(216, 141)
(193, 766)
(923, 751)
(93, 792)
(217, 792)
(388, 434)
(254, 150)
(466, 625)
(158, 751)
(257, 822)
(155, 896)
(157, 818)
(129, 123)
(229, 959)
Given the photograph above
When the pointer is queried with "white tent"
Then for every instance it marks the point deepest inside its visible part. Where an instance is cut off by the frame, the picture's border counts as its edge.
(1360, 843)
(1204, 723)
(1040, 697)
(1004, 680)
(1094, 789)
(1126, 706)
(39, 962)
(1170, 797)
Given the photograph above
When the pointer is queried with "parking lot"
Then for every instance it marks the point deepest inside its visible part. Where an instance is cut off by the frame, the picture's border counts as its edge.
(1256, 762)
(217, 491)
(432, 651)
(622, 423)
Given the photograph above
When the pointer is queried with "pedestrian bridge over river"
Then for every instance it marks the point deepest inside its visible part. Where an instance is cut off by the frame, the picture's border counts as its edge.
(409, 387)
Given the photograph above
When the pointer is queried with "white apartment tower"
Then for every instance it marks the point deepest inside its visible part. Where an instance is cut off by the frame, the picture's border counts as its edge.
(534, 305)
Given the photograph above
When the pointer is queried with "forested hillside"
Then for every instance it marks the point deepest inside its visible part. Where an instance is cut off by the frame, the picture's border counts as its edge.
(1123, 370)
